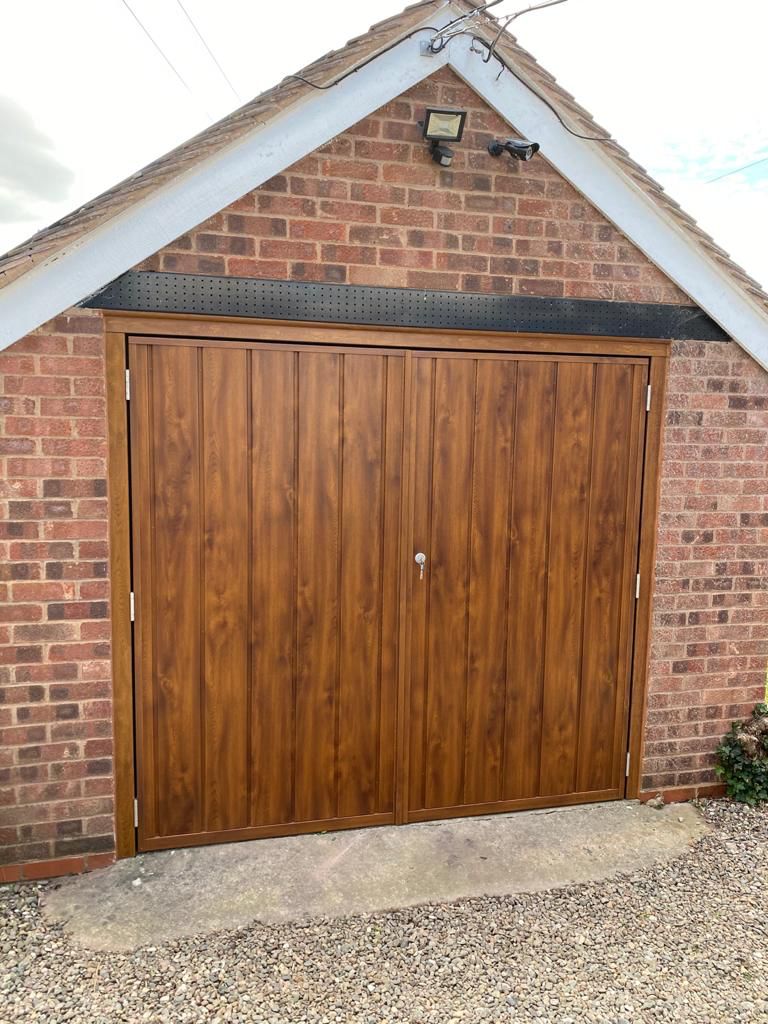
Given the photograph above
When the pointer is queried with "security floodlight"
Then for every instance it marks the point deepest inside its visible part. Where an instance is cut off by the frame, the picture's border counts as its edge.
(443, 125)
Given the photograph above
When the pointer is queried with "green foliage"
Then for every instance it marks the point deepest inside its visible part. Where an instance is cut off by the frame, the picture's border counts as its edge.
(742, 758)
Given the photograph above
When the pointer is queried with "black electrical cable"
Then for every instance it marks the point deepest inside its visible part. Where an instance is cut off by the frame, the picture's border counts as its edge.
(534, 90)
(443, 44)
(368, 60)
(470, 14)
(506, 22)
(543, 98)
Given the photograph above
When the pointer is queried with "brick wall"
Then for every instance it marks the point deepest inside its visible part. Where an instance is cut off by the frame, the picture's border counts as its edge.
(55, 720)
(710, 629)
(370, 208)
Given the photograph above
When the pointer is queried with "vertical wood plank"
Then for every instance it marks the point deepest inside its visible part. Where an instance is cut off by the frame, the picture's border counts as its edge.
(176, 593)
(652, 457)
(489, 548)
(448, 568)
(274, 412)
(527, 597)
(225, 599)
(607, 584)
(120, 588)
(319, 491)
(392, 551)
(565, 584)
(362, 526)
(142, 507)
(422, 401)
(632, 550)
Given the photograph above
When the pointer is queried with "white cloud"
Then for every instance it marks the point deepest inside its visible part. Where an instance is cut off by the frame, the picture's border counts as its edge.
(32, 179)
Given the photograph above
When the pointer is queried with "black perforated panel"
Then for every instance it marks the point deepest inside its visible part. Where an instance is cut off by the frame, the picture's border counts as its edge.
(143, 291)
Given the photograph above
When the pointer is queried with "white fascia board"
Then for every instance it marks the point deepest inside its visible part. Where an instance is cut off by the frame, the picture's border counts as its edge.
(591, 170)
(210, 186)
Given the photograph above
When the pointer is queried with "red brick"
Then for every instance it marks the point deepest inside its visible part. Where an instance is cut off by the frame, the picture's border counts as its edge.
(322, 188)
(338, 210)
(349, 254)
(368, 149)
(421, 258)
(352, 169)
(409, 174)
(333, 272)
(258, 268)
(527, 286)
(321, 231)
(409, 217)
(278, 248)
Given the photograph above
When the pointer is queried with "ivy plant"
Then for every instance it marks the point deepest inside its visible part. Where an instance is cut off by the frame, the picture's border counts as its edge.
(742, 758)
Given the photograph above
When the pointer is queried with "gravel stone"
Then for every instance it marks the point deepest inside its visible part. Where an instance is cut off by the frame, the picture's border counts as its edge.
(685, 941)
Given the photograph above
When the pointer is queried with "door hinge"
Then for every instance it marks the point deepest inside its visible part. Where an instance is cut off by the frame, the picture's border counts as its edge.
(135, 812)
(626, 772)
(648, 399)
(637, 586)
(127, 385)
(133, 607)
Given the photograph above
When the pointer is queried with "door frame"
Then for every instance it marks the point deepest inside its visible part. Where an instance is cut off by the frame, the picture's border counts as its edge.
(235, 331)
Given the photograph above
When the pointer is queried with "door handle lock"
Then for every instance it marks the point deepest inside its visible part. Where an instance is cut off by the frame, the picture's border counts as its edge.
(421, 560)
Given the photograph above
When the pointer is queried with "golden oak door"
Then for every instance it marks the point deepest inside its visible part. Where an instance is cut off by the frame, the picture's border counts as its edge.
(266, 524)
(275, 572)
(527, 474)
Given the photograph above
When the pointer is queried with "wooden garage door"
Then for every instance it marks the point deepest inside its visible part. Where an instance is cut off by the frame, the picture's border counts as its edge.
(527, 484)
(274, 573)
(266, 512)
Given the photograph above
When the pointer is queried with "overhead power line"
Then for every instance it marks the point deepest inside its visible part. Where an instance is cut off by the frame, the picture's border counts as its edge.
(737, 170)
(210, 52)
(162, 52)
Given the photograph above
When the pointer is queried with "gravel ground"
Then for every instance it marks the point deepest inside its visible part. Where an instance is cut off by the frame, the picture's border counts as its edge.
(685, 941)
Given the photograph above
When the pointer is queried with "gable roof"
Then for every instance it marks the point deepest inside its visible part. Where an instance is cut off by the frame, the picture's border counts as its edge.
(75, 256)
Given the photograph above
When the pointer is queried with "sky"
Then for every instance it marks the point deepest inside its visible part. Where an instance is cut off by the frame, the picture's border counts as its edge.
(86, 99)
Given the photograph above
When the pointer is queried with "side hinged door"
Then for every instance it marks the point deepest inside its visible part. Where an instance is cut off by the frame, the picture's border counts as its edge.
(266, 508)
(526, 500)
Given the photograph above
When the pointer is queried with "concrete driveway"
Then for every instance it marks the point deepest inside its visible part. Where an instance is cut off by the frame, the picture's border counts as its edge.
(158, 897)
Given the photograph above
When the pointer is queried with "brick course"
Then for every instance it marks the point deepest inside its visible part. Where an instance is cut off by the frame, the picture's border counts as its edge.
(709, 645)
(55, 713)
(369, 208)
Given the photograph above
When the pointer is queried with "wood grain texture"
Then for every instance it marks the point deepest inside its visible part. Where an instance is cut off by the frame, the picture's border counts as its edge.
(392, 549)
(185, 326)
(488, 611)
(120, 587)
(360, 580)
(179, 583)
(526, 472)
(569, 509)
(527, 581)
(292, 671)
(142, 520)
(268, 497)
(273, 585)
(225, 597)
(448, 579)
(654, 440)
(318, 561)
(608, 578)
